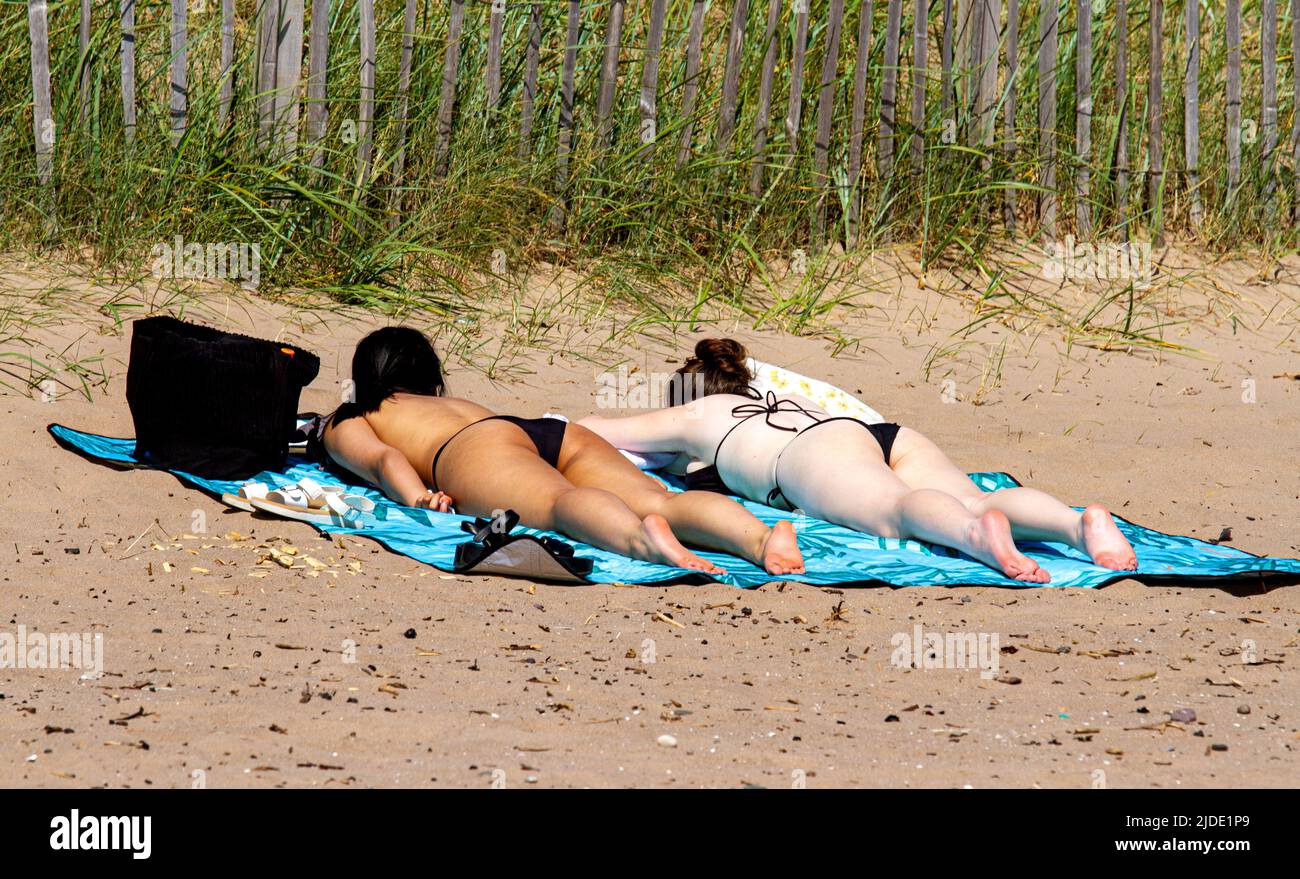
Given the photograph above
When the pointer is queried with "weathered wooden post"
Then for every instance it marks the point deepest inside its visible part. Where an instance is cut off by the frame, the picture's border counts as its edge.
(1233, 30)
(609, 76)
(919, 44)
(1009, 109)
(1295, 109)
(1122, 97)
(825, 115)
(317, 87)
(794, 107)
(945, 62)
(889, 90)
(403, 109)
(1192, 109)
(691, 86)
(1083, 120)
(179, 69)
(366, 105)
(83, 62)
(496, 22)
(1155, 128)
(528, 100)
(649, 103)
(987, 72)
(762, 116)
(1268, 99)
(447, 97)
(226, 76)
(279, 74)
(731, 75)
(43, 127)
(1047, 37)
(128, 70)
(268, 25)
(858, 124)
(565, 139)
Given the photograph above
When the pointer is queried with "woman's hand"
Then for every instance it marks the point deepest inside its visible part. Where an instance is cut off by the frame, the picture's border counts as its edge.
(438, 501)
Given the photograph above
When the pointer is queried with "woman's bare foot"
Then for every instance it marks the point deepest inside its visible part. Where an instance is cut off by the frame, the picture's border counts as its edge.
(781, 550)
(992, 544)
(665, 549)
(1103, 541)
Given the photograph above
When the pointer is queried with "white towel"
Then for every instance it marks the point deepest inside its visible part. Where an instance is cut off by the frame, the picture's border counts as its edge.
(834, 400)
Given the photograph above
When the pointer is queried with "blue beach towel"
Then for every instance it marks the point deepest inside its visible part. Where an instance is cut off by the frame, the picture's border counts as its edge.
(834, 555)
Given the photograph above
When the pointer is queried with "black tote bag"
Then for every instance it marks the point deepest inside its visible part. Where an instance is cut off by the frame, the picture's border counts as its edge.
(215, 404)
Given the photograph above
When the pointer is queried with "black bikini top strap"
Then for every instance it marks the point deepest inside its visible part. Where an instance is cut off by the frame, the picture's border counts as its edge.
(767, 406)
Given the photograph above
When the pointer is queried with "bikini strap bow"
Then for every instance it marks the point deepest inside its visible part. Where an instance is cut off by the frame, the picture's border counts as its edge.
(768, 407)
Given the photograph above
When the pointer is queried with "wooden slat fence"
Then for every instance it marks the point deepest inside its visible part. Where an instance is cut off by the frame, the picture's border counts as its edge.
(534, 61)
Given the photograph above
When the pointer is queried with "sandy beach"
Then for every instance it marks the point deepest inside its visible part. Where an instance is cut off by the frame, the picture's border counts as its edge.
(222, 669)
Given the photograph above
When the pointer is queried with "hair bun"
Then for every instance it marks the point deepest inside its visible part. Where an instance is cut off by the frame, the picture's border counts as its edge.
(720, 366)
(727, 356)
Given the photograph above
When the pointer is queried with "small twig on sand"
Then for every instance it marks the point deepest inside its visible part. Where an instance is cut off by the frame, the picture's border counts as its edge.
(137, 539)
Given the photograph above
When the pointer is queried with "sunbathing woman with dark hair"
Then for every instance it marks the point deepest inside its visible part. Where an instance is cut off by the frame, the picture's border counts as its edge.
(423, 449)
(883, 479)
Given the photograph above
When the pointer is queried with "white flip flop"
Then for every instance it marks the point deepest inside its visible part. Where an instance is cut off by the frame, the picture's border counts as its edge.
(242, 500)
(309, 501)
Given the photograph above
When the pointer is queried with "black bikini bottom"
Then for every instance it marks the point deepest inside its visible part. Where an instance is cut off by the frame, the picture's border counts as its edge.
(885, 433)
(708, 478)
(547, 435)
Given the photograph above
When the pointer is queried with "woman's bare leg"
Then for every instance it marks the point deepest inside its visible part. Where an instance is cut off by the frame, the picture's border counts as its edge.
(699, 517)
(500, 469)
(1034, 514)
(842, 477)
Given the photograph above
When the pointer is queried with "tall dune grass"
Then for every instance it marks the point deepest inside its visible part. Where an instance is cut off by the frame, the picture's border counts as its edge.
(640, 221)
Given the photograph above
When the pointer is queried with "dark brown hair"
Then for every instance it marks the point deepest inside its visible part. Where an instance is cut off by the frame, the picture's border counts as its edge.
(718, 367)
(393, 360)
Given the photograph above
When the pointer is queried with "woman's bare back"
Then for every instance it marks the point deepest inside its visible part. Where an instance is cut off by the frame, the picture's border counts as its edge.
(417, 425)
(743, 439)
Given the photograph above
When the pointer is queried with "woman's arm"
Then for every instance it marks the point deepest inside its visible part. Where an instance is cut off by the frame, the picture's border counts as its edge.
(354, 445)
(662, 430)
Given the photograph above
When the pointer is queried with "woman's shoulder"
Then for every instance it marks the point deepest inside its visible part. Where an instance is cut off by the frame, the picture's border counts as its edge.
(319, 431)
(343, 413)
(326, 424)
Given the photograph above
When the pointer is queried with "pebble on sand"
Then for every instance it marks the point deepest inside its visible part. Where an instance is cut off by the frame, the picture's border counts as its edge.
(1182, 715)
(667, 741)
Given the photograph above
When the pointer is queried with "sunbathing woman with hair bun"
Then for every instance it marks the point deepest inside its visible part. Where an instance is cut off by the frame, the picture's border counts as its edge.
(883, 479)
(423, 448)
